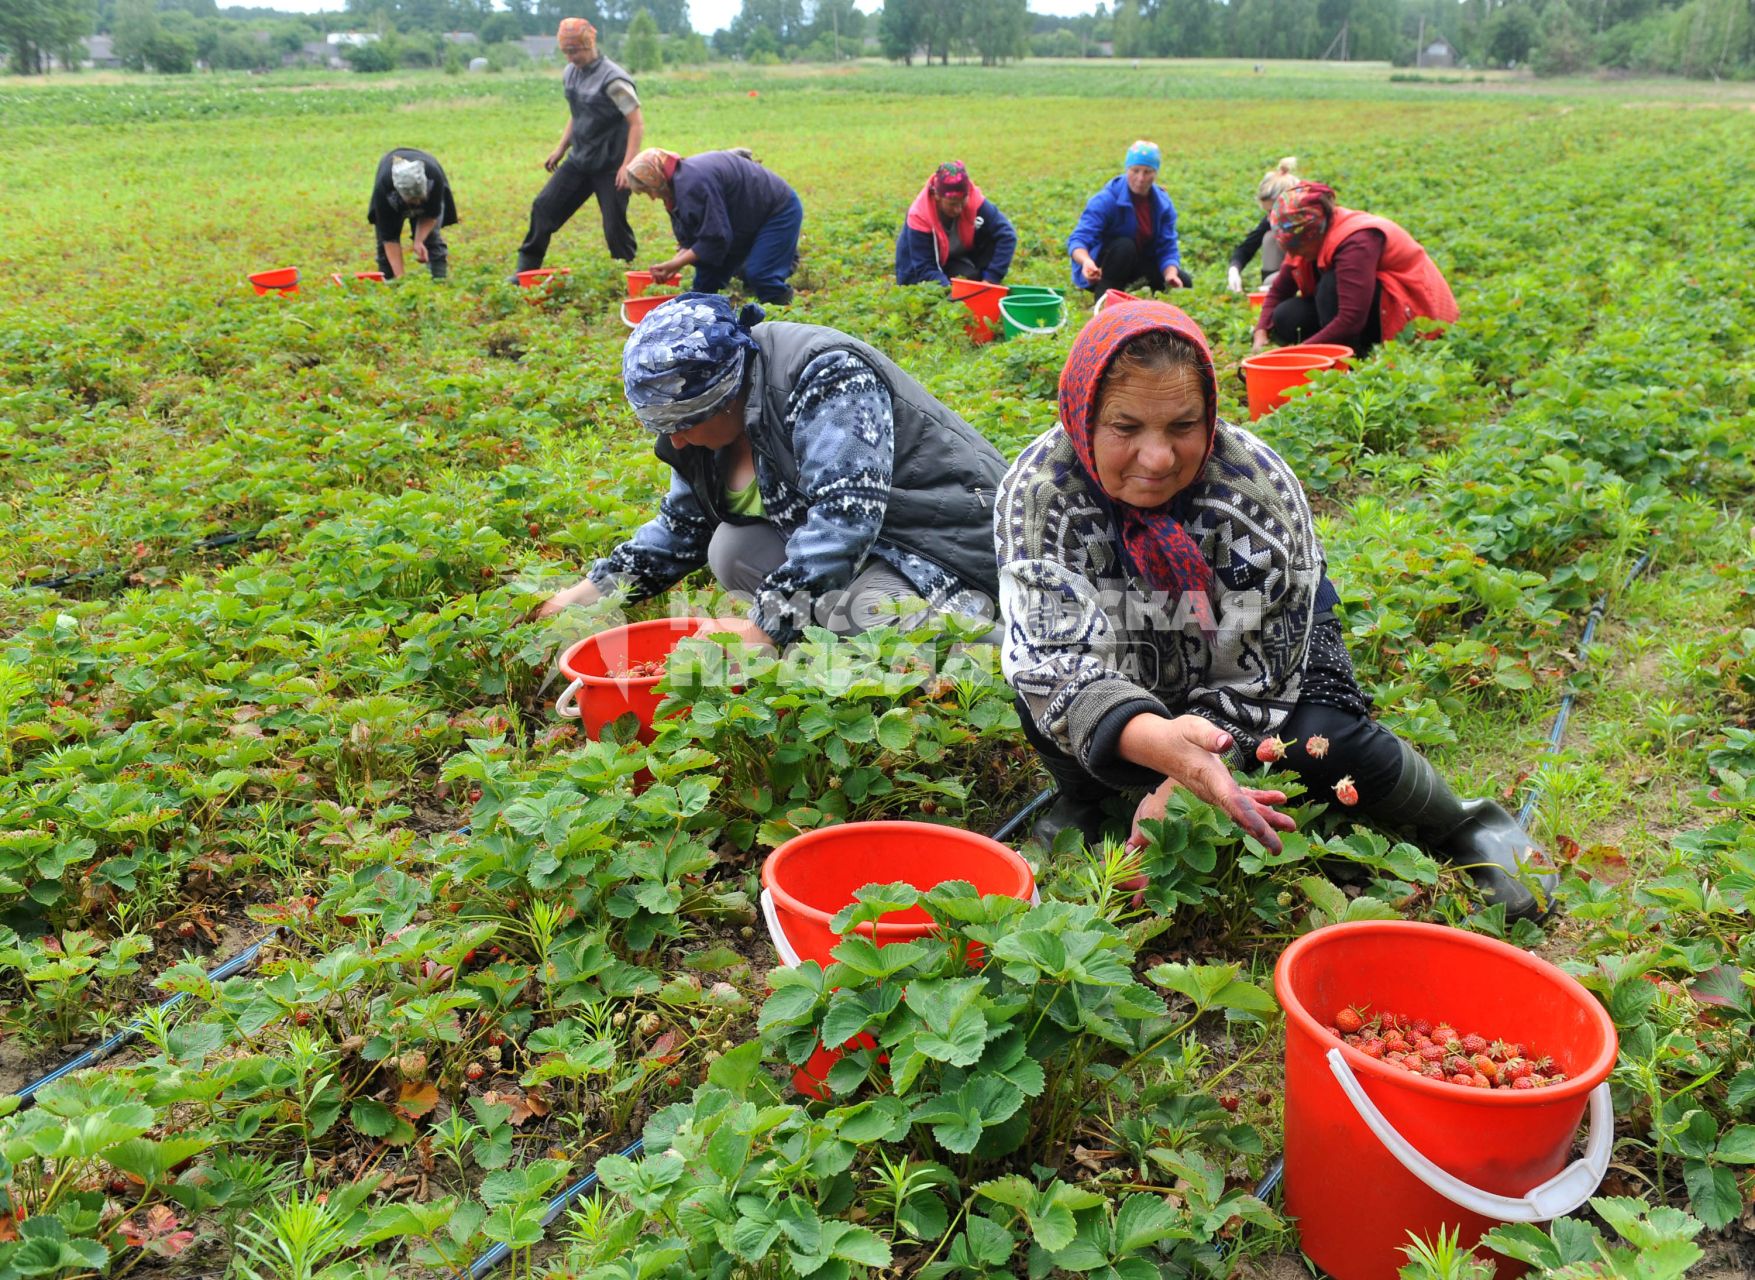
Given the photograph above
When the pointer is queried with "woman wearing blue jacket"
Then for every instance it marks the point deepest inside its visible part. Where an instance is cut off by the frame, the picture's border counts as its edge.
(1127, 232)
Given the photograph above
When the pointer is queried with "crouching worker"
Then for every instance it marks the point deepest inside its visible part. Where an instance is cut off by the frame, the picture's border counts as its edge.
(411, 187)
(1166, 609)
(954, 230)
(811, 474)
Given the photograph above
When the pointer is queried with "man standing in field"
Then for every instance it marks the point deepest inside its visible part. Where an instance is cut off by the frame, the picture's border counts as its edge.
(411, 187)
(603, 134)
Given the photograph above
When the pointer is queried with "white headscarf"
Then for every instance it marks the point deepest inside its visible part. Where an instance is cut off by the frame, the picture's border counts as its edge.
(409, 177)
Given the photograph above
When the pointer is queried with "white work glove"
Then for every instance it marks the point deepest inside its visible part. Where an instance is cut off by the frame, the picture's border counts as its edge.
(1234, 279)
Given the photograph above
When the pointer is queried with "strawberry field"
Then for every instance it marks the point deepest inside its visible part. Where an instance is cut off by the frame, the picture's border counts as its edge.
(268, 670)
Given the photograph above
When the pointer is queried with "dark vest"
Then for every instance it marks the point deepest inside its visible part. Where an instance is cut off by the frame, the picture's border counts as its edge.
(600, 130)
(945, 475)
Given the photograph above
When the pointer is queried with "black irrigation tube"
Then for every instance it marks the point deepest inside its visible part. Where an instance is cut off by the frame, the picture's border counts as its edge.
(1557, 733)
(210, 543)
(91, 1057)
(500, 1252)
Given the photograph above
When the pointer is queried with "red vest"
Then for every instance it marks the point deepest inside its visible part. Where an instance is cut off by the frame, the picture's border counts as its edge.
(1412, 283)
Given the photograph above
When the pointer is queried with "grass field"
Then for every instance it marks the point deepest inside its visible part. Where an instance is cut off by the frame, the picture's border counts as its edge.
(282, 664)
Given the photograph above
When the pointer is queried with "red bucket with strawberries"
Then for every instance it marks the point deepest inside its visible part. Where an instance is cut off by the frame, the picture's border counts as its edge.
(616, 673)
(1434, 1080)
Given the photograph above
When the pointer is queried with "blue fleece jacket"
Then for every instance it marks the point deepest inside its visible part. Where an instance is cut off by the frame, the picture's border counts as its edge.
(1109, 214)
(917, 250)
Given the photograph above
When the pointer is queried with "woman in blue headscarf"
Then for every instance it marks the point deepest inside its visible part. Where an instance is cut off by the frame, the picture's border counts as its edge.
(1127, 233)
(810, 473)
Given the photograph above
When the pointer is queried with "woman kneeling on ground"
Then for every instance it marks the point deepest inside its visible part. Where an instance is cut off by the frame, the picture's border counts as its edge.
(1166, 609)
(731, 217)
(1349, 276)
(809, 472)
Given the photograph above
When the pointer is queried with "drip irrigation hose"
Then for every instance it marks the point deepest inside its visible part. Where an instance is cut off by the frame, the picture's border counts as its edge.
(1018, 819)
(210, 543)
(500, 1252)
(1557, 733)
(91, 1057)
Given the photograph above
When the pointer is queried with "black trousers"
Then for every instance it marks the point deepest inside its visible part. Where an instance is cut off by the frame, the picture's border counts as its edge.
(438, 256)
(1299, 319)
(566, 192)
(1122, 264)
(973, 264)
(1357, 746)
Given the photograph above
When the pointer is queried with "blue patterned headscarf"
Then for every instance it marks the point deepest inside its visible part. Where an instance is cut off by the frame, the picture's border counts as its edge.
(686, 359)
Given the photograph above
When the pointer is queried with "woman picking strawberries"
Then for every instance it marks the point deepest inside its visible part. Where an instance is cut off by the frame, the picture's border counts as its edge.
(1167, 612)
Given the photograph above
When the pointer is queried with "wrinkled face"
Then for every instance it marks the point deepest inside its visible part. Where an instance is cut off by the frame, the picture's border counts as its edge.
(1140, 178)
(1151, 435)
(951, 206)
(721, 429)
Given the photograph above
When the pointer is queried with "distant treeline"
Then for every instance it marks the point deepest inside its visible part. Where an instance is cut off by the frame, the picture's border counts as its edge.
(1703, 38)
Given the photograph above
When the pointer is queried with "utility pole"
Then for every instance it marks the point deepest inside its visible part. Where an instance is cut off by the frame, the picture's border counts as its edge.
(1420, 49)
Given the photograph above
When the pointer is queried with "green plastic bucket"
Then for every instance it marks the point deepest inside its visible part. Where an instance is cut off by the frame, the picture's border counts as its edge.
(1032, 316)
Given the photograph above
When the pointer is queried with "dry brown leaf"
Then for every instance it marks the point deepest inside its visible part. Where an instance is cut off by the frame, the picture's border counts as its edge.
(417, 1098)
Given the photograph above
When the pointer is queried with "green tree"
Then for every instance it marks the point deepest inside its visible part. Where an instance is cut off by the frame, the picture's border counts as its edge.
(898, 30)
(999, 29)
(33, 31)
(1564, 47)
(642, 51)
(132, 32)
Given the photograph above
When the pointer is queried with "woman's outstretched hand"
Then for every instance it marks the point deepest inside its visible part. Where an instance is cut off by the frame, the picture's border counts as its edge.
(1189, 752)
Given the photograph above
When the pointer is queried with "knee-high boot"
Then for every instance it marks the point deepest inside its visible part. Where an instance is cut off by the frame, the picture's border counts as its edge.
(1477, 835)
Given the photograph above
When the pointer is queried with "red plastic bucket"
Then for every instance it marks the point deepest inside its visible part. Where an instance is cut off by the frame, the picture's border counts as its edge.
(1111, 298)
(812, 876)
(638, 282)
(1258, 298)
(1374, 1152)
(635, 310)
(282, 280)
(1269, 375)
(599, 693)
(1339, 352)
(982, 299)
(339, 279)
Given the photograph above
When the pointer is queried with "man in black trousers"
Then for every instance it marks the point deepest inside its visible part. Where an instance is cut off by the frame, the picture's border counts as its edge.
(604, 132)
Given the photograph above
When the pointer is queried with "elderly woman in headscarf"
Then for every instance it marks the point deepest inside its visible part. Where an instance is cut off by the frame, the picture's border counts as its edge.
(1127, 233)
(1349, 276)
(731, 217)
(953, 230)
(812, 475)
(1168, 616)
(411, 187)
(603, 133)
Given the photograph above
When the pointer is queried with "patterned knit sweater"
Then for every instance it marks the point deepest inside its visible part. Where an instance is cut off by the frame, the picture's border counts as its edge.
(839, 430)
(1088, 646)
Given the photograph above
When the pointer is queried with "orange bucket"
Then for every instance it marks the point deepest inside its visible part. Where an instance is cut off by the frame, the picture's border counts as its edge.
(982, 299)
(638, 282)
(1258, 298)
(601, 691)
(1269, 375)
(339, 279)
(635, 310)
(807, 880)
(1112, 298)
(282, 280)
(1339, 352)
(1374, 1152)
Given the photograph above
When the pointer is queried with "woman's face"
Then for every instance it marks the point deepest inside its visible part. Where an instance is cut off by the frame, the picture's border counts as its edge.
(1140, 178)
(723, 428)
(1151, 435)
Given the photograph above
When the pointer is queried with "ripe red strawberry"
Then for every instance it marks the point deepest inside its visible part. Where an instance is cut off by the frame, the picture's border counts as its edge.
(1269, 750)
(1432, 1053)
(1523, 1082)
(1372, 1047)
(1485, 1066)
(535, 529)
(1229, 1101)
(186, 929)
(1480, 1081)
(474, 1071)
(1444, 1033)
(1316, 746)
(1346, 792)
(302, 1017)
(1421, 1027)
(1348, 1020)
(1473, 1044)
(1516, 1069)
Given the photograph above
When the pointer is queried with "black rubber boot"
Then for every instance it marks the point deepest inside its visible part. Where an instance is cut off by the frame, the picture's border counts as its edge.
(1476, 835)
(1077, 804)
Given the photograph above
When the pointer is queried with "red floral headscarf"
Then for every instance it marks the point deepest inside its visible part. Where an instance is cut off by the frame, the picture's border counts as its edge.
(1300, 217)
(1162, 552)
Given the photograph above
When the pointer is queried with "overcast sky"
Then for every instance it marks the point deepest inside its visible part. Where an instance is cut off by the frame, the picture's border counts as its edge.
(709, 15)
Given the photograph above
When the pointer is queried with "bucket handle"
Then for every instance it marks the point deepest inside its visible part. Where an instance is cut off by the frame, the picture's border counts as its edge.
(565, 704)
(1555, 1198)
(783, 945)
(632, 324)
